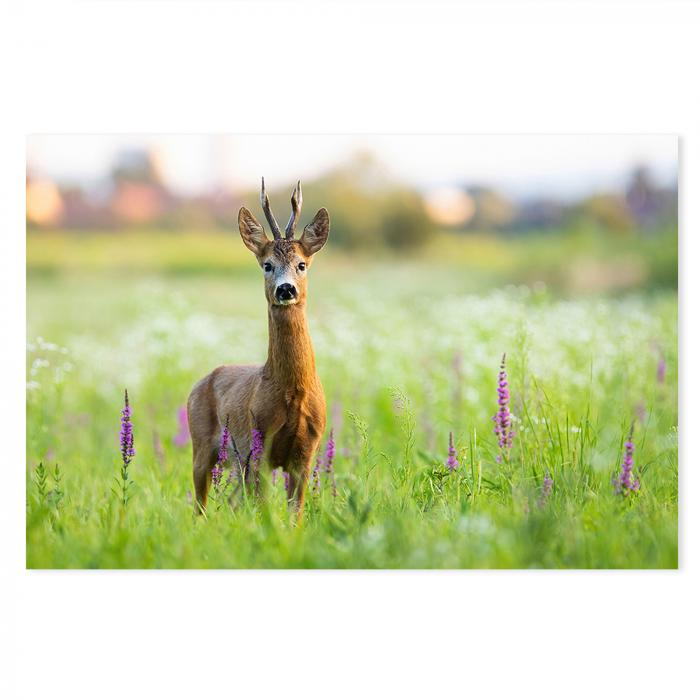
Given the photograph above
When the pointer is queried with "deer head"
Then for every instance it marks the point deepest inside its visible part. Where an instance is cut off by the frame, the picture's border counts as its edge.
(284, 261)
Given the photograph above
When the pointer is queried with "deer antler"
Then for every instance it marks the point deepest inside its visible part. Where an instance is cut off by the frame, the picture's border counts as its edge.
(265, 203)
(296, 211)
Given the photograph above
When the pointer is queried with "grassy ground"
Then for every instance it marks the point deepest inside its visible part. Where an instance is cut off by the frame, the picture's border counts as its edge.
(408, 350)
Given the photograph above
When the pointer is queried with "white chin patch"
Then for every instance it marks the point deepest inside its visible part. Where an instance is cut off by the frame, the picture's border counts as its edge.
(286, 302)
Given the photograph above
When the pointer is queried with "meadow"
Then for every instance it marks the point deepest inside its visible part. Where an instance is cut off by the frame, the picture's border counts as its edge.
(408, 349)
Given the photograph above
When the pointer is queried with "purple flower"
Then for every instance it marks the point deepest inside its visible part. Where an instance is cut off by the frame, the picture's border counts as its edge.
(251, 470)
(547, 486)
(502, 419)
(126, 447)
(223, 444)
(216, 474)
(257, 445)
(221, 459)
(182, 437)
(661, 370)
(316, 475)
(325, 464)
(452, 464)
(328, 462)
(626, 483)
(126, 434)
(330, 453)
(285, 475)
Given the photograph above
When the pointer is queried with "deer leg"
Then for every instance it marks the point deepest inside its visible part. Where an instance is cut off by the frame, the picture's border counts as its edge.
(293, 451)
(299, 472)
(201, 418)
(203, 461)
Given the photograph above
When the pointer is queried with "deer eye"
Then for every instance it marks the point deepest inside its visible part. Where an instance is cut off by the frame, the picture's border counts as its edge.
(302, 266)
(267, 267)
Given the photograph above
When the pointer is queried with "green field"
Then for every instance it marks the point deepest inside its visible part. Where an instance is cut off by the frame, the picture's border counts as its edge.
(408, 349)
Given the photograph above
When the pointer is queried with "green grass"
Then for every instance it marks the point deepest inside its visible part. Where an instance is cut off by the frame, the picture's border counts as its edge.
(408, 350)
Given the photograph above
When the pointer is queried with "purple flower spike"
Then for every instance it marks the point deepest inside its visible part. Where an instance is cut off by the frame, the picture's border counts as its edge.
(285, 475)
(328, 457)
(254, 461)
(316, 475)
(223, 444)
(503, 419)
(182, 437)
(126, 434)
(257, 445)
(324, 463)
(547, 486)
(661, 370)
(218, 469)
(330, 453)
(452, 464)
(627, 483)
(126, 447)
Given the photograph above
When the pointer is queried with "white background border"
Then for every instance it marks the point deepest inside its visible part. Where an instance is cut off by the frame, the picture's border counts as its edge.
(526, 67)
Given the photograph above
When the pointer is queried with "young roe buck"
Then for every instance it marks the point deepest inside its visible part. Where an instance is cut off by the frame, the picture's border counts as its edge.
(283, 398)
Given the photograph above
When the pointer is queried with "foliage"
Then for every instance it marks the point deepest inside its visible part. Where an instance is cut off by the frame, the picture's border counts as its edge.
(572, 262)
(407, 353)
(371, 211)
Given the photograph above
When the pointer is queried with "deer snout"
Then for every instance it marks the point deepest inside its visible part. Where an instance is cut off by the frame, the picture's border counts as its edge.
(286, 292)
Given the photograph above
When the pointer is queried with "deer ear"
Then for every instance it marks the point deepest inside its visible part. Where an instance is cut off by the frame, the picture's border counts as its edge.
(316, 233)
(252, 232)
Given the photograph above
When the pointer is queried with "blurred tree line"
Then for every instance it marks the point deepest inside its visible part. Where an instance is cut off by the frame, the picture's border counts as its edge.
(369, 208)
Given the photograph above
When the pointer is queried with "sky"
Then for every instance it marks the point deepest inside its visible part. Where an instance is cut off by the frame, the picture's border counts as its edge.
(520, 165)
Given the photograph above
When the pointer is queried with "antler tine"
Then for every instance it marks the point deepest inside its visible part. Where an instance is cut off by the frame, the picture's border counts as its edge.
(296, 211)
(265, 203)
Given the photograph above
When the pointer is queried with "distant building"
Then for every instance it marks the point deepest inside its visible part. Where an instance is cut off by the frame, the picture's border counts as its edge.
(539, 215)
(138, 202)
(649, 204)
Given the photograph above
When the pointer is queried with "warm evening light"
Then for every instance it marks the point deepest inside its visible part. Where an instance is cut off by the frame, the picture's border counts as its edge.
(450, 206)
(44, 202)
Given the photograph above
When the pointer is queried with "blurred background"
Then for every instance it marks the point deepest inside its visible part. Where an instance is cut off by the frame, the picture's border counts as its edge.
(579, 214)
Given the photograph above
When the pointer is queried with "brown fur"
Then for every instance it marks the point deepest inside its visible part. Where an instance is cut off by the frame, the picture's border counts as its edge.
(282, 398)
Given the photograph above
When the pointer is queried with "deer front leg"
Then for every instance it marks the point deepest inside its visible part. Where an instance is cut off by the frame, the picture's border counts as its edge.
(296, 486)
(294, 451)
(299, 469)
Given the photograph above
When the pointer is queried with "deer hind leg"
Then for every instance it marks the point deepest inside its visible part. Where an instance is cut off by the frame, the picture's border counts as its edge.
(203, 460)
(202, 421)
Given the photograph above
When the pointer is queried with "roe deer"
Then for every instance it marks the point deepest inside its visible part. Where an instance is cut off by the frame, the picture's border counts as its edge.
(283, 398)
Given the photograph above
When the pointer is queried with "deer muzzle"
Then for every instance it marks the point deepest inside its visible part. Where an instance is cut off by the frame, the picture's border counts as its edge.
(286, 293)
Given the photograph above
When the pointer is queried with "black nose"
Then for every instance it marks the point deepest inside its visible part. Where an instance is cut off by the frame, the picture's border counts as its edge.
(285, 292)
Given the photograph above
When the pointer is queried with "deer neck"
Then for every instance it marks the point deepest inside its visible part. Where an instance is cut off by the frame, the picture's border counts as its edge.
(290, 356)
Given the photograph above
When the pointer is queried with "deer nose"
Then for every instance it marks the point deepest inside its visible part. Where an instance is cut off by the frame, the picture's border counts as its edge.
(285, 292)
